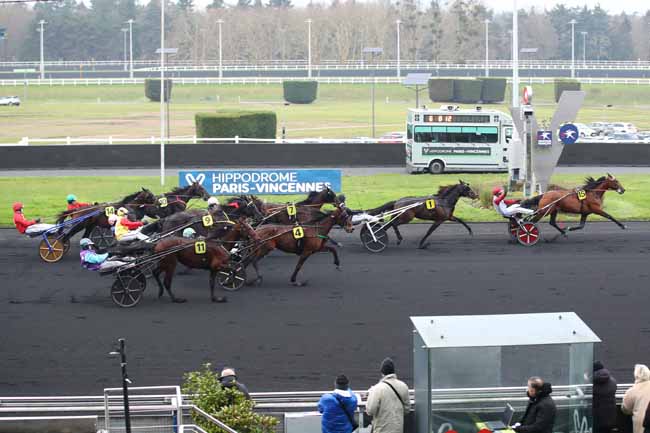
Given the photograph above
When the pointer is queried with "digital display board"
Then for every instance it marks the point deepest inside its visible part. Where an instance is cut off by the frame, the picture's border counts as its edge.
(456, 118)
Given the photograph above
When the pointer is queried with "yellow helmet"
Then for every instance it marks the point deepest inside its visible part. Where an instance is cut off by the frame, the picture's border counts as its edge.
(122, 211)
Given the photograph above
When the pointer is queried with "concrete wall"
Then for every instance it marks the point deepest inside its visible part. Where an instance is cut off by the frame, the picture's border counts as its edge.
(231, 155)
(60, 424)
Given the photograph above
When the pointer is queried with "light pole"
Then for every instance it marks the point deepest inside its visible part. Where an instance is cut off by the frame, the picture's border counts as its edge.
(42, 31)
(487, 49)
(124, 34)
(397, 23)
(309, 21)
(584, 47)
(372, 51)
(515, 55)
(121, 351)
(162, 92)
(573, 48)
(130, 22)
(219, 23)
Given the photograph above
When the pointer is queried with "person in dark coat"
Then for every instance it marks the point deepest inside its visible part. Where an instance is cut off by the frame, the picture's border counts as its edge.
(604, 400)
(540, 412)
(228, 379)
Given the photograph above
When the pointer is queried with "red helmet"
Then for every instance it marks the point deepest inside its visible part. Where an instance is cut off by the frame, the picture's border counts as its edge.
(17, 206)
(497, 190)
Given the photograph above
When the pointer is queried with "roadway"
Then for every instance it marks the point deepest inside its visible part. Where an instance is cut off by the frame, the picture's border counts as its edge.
(58, 323)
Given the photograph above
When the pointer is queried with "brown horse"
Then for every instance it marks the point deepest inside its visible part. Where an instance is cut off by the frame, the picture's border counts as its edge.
(306, 210)
(215, 258)
(302, 240)
(576, 202)
(438, 211)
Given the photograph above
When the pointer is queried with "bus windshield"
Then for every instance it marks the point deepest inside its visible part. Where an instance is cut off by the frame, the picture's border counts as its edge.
(456, 134)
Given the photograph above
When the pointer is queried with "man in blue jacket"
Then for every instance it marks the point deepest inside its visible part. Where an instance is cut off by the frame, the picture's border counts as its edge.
(338, 408)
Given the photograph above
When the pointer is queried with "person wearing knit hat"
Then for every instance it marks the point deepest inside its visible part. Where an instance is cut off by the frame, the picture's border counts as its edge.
(603, 403)
(388, 401)
(338, 408)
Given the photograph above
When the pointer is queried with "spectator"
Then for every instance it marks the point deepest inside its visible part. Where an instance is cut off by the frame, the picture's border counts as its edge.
(228, 379)
(388, 401)
(540, 412)
(637, 398)
(646, 420)
(338, 408)
(604, 400)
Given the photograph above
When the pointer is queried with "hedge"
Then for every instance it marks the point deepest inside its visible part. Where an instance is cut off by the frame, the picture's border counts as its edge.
(562, 85)
(467, 91)
(300, 92)
(233, 123)
(441, 89)
(152, 89)
(493, 90)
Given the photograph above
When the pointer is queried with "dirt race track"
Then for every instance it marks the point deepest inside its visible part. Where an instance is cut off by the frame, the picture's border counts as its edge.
(58, 322)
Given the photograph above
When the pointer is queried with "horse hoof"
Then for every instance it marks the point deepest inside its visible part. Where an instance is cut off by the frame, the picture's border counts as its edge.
(423, 247)
(300, 283)
(624, 227)
(339, 268)
(179, 300)
(258, 281)
(220, 299)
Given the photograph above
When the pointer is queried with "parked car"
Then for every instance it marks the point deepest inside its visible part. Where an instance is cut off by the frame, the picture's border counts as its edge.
(599, 127)
(622, 138)
(585, 131)
(392, 137)
(624, 128)
(10, 100)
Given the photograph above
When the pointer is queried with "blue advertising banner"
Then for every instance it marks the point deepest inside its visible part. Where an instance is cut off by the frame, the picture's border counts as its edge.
(262, 182)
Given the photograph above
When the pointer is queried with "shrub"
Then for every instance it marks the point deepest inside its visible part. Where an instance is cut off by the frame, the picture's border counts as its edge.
(300, 92)
(493, 89)
(562, 85)
(152, 89)
(467, 91)
(441, 89)
(226, 404)
(245, 124)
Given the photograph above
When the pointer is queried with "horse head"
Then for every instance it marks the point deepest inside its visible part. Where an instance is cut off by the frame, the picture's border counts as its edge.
(145, 197)
(612, 183)
(197, 190)
(466, 190)
(343, 217)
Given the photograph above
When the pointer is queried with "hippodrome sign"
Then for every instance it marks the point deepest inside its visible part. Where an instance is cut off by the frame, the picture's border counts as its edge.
(263, 182)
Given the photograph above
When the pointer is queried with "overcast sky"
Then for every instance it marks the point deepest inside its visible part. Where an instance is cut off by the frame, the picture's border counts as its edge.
(614, 6)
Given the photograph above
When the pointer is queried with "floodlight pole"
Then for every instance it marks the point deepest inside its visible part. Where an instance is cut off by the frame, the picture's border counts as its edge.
(487, 51)
(309, 21)
(131, 21)
(124, 34)
(573, 47)
(42, 31)
(399, 74)
(162, 92)
(219, 23)
(584, 47)
(515, 55)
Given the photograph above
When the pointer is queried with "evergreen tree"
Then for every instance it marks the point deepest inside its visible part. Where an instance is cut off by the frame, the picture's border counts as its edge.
(621, 37)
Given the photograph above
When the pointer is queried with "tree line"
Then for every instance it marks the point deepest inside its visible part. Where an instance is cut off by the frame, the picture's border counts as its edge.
(255, 30)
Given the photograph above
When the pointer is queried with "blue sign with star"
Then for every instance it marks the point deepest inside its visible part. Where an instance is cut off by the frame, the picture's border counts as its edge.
(569, 133)
(544, 138)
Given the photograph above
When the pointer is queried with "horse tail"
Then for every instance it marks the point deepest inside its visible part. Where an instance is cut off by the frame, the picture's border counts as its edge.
(532, 203)
(62, 216)
(383, 208)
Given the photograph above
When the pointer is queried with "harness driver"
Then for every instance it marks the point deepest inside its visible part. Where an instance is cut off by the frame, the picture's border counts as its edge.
(509, 208)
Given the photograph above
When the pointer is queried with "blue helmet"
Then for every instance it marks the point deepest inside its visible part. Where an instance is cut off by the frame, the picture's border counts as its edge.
(189, 232)
(71, 197)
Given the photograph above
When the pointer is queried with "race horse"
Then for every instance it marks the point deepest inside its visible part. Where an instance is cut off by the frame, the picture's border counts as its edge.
(215, 258)
(302, 240)
(439, 211)
(305, 210)
(131, 201)
(172, 202)
(584, 200)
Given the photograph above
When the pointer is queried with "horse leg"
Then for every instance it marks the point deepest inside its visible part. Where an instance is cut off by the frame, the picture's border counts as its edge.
(424, 245)
(553, 224)
(156, 274)
(460, 221)
(332, 250)
(213, 277)
(604, 214)
(583, 221)
(303, 258)
(169, 275)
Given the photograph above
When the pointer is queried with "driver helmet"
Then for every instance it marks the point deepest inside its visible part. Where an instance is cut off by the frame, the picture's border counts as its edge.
(85, 243)
(17, 206)
(213, 201)
(497, 190)
(189, 233)
(122, 211)
(112, 219)
(71, 197)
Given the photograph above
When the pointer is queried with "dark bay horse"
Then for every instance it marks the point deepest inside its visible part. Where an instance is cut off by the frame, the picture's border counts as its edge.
(569, 201)
(172, 202)
(215, 258)
(306, 210)
(312, 239)
(443, 210)
(131, 201)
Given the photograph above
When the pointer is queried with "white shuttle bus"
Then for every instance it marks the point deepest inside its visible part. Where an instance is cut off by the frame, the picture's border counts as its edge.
(451, 139)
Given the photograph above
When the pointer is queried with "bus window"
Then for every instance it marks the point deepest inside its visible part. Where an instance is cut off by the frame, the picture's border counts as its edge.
(409, 131)
(487, 134)
(508, 135)
(423, 134)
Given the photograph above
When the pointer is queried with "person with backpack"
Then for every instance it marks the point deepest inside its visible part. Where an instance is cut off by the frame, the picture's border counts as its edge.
(388, 401)
(338, 408)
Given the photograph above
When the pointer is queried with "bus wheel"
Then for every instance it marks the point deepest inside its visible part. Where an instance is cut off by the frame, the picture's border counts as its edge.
(436, 167)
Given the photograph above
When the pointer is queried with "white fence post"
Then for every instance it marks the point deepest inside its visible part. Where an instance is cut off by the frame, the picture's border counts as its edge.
(67, 140)
(236, 139)
(110, 139)
(194, 139)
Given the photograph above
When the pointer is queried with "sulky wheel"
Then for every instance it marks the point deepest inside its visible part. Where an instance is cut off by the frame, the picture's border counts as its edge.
(102, 237)
(232, 278)
(380, 241)
(528, 234)
(513, 227)
(53, 252)
(127, 290)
